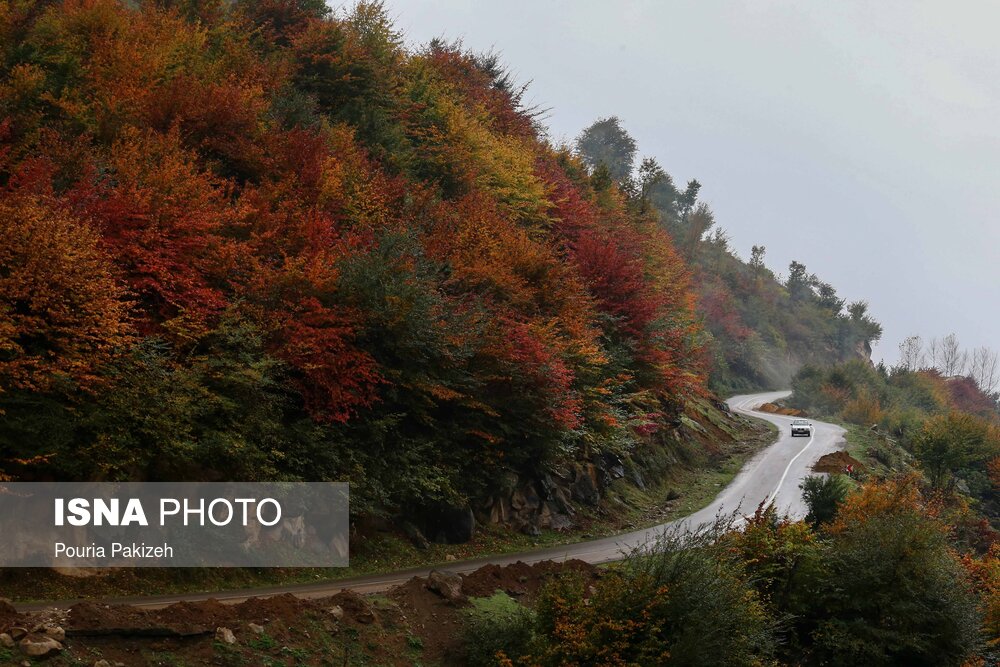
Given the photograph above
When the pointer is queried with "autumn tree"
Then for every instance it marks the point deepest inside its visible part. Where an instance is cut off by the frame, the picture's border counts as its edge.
(952, 442)
(895, 592)
(63, 314)
(606, 143)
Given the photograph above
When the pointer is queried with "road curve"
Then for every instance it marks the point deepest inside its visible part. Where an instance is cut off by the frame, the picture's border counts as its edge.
(774, 473)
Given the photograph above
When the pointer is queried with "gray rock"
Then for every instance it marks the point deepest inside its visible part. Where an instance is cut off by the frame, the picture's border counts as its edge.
(560, 522)
(448, 586)
(55, 632)
(34, 646)
(7, 641)
(336, 611)
(452, 525)
(584, 487)
(256, 629)
(416, 537)
(17, 633)
(635, 476)
(225, 635)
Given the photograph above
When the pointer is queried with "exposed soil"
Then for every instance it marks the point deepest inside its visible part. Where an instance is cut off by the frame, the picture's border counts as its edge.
(837, 462)
(410, 624)
(773, 409)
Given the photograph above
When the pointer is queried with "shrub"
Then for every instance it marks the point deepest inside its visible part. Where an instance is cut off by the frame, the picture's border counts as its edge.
(822, 496)
(682, 599)
(496, 627)
(895, 594)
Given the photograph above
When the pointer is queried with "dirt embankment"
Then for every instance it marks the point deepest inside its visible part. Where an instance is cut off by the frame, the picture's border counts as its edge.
(774, 409)
(838, 463)
(417, 622)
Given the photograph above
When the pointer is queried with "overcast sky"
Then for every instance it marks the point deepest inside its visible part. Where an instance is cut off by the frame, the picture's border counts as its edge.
(859, 138)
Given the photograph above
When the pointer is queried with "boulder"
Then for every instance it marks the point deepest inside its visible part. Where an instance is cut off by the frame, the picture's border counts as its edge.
(55, 632)
(452, 525)
(256, 629)
(416, 537)
(7, 611)
(17, 633)
(35, 646)
(7, 641)
(584, 487)
(225, 635)
(560, 521)
(448, 586)
(336, 611)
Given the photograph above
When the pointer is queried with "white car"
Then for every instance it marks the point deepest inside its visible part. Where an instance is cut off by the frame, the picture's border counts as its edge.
(802, 427)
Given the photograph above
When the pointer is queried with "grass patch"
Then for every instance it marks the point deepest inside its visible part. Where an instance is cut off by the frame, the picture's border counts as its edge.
(494, 625)
(163, 659)
(263, 642)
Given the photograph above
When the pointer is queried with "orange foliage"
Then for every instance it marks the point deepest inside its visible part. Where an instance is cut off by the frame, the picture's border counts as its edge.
(984, 575)
(877, 499)
(62, 313)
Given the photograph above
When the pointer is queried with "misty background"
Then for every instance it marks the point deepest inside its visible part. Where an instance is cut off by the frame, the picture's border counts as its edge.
(857, 138)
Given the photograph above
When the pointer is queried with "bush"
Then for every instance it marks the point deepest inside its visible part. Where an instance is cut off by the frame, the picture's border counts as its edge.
(682, 599)
(822, 496)
(896, 594)
(496, 627)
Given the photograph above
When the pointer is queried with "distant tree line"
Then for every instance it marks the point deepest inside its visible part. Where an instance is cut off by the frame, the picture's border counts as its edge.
(762, 329)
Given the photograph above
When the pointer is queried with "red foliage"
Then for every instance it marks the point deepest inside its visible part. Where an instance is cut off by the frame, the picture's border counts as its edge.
(718, 305)
(544, 372)
(162, 220)
(477, 86)
(335, 377)
(968, 397)
(614, 269)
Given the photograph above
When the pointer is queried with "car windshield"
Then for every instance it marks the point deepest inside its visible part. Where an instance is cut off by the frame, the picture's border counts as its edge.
(800, 421)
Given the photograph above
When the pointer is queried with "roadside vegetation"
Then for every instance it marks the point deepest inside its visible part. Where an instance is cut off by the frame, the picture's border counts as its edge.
(877, 582)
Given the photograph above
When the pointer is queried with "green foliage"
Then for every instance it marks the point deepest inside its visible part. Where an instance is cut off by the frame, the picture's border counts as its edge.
(948, 444)
(607, 144)
(921, 411)
(896, 593)
(496, 627)
(822, 496)
(681, 600)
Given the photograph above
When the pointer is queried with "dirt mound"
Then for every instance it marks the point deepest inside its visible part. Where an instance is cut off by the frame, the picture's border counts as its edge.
(438, 621)
(8, 615)
(773, 409)
(182, 619)
(520, 578)
(837, 462)
(409, 624)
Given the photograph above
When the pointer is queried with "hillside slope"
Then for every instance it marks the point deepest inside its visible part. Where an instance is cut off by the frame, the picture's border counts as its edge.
(257, 240)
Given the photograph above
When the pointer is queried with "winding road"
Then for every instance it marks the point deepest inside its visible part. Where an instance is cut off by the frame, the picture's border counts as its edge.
(774, 473)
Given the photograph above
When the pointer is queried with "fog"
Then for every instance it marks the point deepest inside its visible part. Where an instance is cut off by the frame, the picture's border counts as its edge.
(858, 138)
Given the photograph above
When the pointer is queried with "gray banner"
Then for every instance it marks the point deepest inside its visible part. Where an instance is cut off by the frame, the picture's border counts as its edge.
(166, 524)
